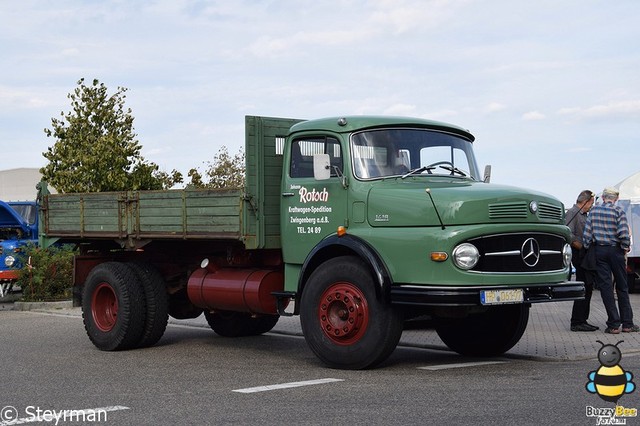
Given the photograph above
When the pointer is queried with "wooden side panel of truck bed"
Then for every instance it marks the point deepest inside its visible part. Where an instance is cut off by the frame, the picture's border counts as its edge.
(186, 214)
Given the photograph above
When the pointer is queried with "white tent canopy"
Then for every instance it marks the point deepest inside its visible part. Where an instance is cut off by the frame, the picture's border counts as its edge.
(19, 184)
(630, 188)
(629, 200)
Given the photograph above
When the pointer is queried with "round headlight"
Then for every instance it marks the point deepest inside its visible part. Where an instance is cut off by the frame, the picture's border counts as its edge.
(9, 261)
(465, 256)
(566, 255)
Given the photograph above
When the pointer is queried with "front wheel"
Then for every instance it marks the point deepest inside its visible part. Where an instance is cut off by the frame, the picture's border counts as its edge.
(489, 333)
(343, 321)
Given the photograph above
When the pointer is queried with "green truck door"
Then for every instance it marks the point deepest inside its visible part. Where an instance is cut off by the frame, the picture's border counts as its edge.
(311, 209)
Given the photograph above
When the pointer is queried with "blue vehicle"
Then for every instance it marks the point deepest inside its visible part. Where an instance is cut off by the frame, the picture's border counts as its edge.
(18, 227)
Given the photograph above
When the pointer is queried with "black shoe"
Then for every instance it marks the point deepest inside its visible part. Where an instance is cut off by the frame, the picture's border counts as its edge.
(583, 327)
(595, 327)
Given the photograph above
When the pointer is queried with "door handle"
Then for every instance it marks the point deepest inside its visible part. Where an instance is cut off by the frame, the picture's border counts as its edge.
(288, 194)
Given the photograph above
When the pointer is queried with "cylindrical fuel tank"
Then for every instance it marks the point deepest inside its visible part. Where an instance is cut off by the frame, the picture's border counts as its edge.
(236, 289)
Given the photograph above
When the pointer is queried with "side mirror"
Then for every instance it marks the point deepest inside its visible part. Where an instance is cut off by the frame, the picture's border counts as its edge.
(321, 166)
(487, 173)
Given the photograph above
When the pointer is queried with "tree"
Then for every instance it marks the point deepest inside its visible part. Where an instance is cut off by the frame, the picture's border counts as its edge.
(224, 171)
(96, 147)
(48, 272)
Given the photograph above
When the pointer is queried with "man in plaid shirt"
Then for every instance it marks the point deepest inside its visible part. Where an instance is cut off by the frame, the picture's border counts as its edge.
(608, 231)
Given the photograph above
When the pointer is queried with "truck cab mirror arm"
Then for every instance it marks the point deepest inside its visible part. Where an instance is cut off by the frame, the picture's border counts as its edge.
(487, 173)
(343, 178)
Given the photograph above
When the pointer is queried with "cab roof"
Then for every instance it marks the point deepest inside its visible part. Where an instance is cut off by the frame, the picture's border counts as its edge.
(348, 124)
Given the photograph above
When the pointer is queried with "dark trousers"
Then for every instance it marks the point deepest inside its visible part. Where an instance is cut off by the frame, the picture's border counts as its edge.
(580, 311)
(611, 262)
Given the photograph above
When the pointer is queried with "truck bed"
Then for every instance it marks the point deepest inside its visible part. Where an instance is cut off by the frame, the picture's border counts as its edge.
(250, 214)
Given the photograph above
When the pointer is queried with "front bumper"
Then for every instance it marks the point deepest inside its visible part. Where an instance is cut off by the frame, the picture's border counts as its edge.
(470, 295)
(9, 275)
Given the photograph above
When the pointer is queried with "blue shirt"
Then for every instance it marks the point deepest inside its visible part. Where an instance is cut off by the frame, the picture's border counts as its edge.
(607, 225)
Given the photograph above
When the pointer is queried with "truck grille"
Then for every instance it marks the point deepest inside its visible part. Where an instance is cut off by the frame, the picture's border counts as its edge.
(519, 253)
(520, 210)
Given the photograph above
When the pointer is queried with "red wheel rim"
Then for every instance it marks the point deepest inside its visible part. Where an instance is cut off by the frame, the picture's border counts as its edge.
(104, 307)
(343, 313)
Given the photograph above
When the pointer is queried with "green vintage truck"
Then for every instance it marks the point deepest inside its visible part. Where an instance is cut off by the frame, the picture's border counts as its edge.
(362, 222)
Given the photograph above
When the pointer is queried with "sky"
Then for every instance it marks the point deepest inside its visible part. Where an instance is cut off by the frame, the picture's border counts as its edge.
(550, 89)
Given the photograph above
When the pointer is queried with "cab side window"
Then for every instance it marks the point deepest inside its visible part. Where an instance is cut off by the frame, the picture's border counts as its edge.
(302, 151)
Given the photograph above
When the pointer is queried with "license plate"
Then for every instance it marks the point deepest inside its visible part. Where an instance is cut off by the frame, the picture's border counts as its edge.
(501, 297)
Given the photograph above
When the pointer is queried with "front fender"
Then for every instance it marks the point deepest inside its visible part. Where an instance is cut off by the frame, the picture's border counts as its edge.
(347, 245)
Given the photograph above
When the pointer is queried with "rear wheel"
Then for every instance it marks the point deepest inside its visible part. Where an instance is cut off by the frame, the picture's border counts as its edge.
(490, 333)
(156, 303)
(238, 324)
(113, 307)
(343, 321)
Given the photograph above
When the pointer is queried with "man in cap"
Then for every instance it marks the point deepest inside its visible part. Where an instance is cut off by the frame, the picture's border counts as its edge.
(607, 229)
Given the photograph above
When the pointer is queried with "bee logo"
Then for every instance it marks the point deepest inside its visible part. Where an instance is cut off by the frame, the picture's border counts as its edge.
(610, 381)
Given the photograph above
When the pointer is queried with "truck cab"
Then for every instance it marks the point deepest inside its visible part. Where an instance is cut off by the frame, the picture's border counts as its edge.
(404, 199)
(18, 227)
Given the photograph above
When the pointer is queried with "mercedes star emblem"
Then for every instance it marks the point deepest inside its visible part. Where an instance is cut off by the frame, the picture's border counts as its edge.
(530, 252)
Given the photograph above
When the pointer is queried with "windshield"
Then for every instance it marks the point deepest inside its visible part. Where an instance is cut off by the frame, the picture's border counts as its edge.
(27, 211)
(405, 152)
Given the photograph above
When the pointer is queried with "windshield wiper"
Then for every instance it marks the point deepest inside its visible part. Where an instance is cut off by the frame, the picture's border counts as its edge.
(418, 170)
(454, 170)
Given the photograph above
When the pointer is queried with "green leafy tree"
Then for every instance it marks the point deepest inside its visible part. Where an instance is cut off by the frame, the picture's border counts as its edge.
(96, 147)
(225, 171)
(47, 274)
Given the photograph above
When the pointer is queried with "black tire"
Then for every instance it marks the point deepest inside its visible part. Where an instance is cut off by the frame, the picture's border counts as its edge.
(155, 294)
(239, 324)
(262, 324)
(113, 307)
(343, 321)
(180, 307)
(490, 333)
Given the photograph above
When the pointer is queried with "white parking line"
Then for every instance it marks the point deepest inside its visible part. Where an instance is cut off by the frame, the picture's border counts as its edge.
(287, 385)
(460, 365)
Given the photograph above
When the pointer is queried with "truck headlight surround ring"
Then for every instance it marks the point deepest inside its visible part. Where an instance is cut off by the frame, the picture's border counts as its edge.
(465, 256)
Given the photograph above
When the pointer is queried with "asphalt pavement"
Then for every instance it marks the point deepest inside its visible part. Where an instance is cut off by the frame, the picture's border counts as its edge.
(547, 337)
